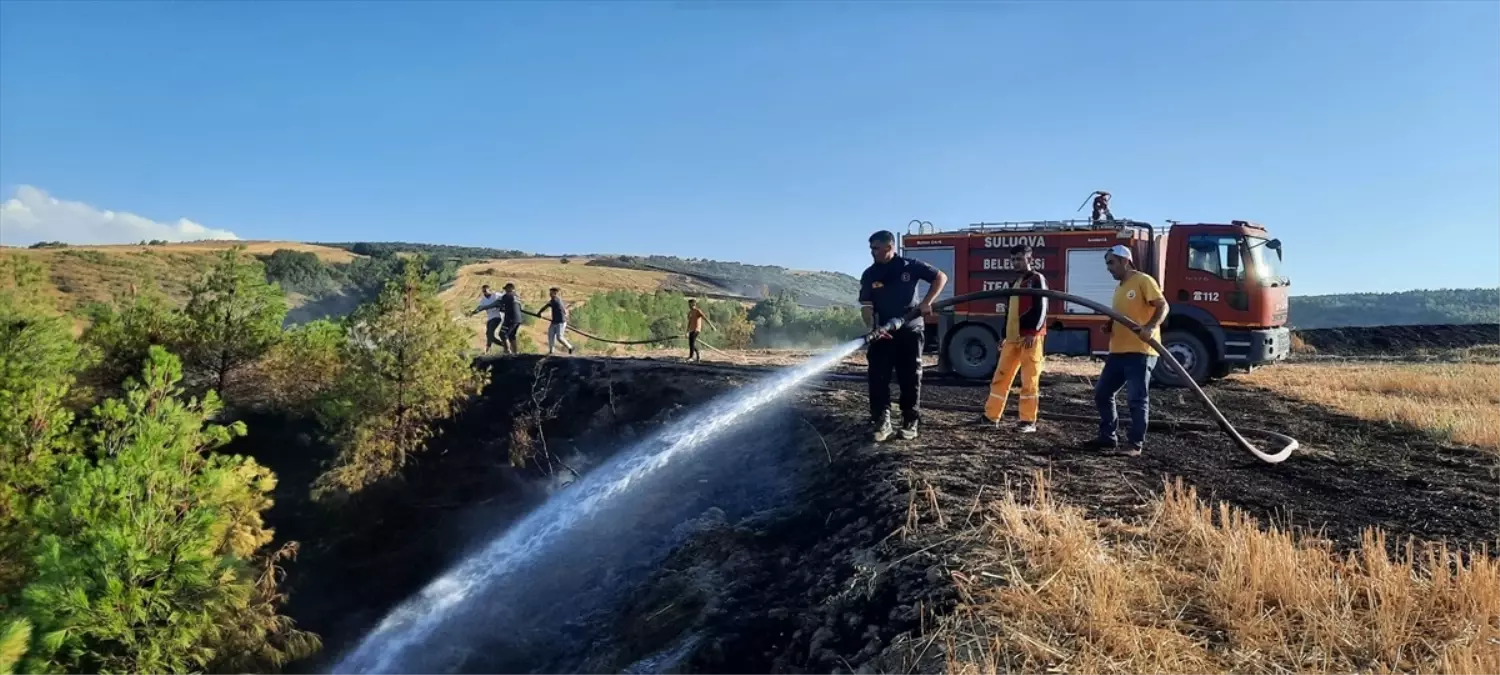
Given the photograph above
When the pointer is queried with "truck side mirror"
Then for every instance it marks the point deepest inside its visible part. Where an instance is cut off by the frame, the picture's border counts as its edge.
(1275, 245)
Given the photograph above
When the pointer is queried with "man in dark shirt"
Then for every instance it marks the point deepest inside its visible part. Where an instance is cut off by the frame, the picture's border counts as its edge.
(510, 311)
(888, 290)
(558, 331)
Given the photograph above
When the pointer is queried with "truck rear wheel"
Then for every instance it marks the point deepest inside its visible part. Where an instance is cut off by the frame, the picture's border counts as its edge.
(1190, 352)
(973, 352)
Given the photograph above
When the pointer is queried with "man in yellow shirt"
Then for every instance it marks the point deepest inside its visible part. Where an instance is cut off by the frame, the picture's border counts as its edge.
(1021, 350)
(695, 320)
(1130, 358)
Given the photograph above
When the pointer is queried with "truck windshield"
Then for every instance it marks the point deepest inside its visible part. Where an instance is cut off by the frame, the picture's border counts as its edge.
(1266, 262)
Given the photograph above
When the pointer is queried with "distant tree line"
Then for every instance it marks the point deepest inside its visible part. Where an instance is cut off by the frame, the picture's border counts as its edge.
(777, 322)
(305, 273)
(1441, 306)
(630, 315)
(460, 254)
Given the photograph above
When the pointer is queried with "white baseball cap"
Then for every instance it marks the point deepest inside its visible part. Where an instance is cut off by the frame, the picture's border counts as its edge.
(1120, 251)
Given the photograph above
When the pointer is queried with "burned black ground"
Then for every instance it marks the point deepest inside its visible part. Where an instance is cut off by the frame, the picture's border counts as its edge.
(844, 567)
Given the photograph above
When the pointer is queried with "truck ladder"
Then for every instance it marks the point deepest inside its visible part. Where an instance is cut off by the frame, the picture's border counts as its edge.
(1051, 225)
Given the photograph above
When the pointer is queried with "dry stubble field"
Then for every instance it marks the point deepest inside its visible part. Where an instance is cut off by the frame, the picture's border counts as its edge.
(1372, 549)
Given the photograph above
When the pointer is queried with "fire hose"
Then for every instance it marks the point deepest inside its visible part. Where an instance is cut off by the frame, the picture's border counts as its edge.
(613, 342)
(1289, 444)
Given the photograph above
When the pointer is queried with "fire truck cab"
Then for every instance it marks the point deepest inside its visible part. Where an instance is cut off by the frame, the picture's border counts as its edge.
(1224, 283)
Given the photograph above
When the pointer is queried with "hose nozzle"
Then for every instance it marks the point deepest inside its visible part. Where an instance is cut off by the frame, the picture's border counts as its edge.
(889, 326)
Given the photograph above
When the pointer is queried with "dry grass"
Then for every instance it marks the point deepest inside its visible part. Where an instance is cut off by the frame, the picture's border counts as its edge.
(1300, 346)
(533, 276)
(79, 275)
(1458, 401)
(328, 254)
(1196, 589)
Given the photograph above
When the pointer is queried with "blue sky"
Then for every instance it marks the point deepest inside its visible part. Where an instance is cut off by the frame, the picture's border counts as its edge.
(1365, 135)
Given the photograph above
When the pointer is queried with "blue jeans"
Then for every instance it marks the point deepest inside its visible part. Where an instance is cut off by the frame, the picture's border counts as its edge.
(1132, 371)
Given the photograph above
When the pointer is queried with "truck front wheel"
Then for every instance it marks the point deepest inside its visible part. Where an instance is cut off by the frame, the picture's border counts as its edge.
(973, 352)
(1190, 352)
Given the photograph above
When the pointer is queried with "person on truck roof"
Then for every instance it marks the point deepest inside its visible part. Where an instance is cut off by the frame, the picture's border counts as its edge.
(887, 293)
(1025, 332)
(1130, 358)
(1101, 208)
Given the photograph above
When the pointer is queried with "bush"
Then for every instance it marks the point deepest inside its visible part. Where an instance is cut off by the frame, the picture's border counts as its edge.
(301, 369)
(780, 322)
(300, 272)
(142, 558)
(404, 368)
(526, 345)
(123, 333)
(626, 315)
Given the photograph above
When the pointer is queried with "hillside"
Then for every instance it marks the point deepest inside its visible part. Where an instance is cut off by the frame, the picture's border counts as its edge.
(714, 277)
(80, 275)
(534, 275)
(1420, 307)
(816, 289)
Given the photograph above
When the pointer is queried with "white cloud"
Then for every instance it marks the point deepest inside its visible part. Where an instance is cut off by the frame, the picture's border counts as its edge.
(32, 215)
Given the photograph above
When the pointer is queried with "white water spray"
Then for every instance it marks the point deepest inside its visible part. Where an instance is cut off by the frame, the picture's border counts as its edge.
(411, 626)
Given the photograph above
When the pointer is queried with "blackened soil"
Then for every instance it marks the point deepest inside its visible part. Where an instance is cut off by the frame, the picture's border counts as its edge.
(1388, 340)
(843, 575)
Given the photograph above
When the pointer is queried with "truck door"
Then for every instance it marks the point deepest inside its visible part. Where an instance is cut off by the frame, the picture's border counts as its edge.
(943, 258)
(939, 257)
(1214, 278)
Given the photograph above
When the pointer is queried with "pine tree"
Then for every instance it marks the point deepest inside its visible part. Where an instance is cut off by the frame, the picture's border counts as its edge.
(233, 317)
(38, 364)
(148, 550)
(404, 369)
(300, 370)
(15, 635)
(122, 334)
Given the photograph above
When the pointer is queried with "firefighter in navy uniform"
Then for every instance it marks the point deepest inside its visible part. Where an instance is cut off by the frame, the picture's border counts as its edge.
(887, 291)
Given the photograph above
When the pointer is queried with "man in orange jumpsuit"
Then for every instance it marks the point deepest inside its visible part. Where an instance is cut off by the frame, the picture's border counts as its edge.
(1025, 332)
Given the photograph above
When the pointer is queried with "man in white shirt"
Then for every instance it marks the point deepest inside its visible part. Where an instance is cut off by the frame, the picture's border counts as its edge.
(489, 303)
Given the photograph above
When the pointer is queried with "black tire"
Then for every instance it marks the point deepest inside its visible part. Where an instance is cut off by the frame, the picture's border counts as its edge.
(1190, 352)
(973, 352)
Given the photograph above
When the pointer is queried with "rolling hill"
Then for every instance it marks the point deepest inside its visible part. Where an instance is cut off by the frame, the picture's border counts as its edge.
(81, 275)
(1406, 308)
(84, 274)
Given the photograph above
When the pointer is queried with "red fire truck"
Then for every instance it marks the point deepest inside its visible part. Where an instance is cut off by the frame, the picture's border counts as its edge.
(1228, 297)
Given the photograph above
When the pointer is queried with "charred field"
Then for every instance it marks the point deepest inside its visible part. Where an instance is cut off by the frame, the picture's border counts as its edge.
(794, 543)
